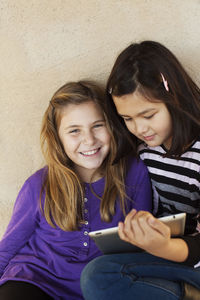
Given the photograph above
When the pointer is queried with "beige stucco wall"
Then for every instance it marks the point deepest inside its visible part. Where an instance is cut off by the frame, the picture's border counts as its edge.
(45, 43)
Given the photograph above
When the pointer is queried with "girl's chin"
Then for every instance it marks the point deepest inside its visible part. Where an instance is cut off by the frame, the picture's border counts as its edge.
(152, 144)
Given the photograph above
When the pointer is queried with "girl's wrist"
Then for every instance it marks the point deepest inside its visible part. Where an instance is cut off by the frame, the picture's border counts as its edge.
(176, 250)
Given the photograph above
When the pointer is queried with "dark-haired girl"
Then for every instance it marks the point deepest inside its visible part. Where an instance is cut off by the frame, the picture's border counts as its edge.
(151, 94)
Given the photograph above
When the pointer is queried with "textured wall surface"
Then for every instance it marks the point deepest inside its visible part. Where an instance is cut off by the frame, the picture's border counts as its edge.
(46, 43)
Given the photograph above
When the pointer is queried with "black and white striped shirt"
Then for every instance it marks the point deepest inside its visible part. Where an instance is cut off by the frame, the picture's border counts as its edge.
(175, 182)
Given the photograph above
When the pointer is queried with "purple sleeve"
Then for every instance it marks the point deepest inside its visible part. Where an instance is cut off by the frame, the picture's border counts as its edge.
(20, 227)
(138, 179)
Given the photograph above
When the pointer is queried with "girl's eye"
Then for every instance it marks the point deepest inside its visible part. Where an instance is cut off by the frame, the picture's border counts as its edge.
(127, 119)
(74, 131)
(98, 125)
(148, 117)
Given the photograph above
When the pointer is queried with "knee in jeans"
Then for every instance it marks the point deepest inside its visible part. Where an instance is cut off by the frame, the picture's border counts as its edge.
(89, 271)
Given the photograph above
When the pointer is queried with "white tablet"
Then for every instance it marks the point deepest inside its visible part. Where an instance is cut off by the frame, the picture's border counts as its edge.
(108, 240)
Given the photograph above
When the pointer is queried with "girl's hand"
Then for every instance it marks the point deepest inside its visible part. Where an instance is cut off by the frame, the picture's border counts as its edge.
(145, 231)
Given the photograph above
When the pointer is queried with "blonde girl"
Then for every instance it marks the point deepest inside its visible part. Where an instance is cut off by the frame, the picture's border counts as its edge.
(46, 244)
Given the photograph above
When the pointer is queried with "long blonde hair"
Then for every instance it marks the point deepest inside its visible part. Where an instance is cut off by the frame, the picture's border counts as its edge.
(63, 188)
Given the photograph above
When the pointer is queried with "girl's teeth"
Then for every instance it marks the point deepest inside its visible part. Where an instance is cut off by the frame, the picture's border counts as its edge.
(90, 152)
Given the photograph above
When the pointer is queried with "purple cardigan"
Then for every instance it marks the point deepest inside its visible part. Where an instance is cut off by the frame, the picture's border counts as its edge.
(50, 258)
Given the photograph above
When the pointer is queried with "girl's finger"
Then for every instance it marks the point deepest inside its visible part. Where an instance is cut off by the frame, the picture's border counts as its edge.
(121, 232)
(159, 226)
(132, 213)
(127, 228)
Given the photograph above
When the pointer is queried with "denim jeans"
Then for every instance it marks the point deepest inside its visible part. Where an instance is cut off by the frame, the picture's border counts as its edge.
(136, 276)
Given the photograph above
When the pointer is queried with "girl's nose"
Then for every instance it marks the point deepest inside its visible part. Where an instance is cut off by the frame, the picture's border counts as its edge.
(88, 138)
(141, 128)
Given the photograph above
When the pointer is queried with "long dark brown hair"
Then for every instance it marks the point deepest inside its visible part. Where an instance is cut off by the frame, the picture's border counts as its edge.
(140, 67)
(63, 188)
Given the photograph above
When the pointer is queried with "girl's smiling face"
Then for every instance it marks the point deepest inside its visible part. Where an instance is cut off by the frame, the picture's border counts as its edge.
(149, 121)
(85, 137)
